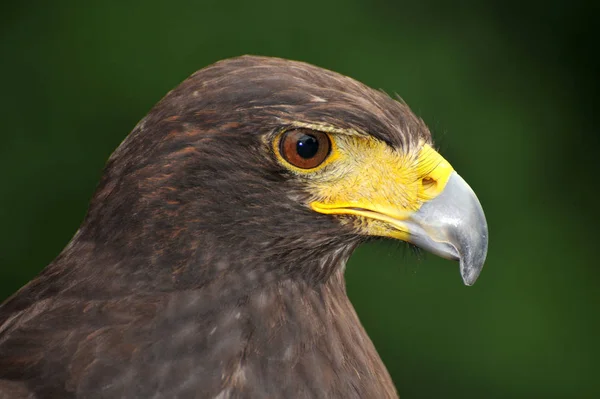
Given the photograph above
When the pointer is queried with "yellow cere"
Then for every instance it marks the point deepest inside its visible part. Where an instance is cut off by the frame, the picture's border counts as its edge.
(367, 178)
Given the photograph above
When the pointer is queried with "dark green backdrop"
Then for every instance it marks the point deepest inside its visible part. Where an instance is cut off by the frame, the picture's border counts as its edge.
(508, 90)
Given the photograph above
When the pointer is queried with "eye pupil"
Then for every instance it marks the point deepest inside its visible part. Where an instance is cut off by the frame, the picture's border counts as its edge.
(307, 146)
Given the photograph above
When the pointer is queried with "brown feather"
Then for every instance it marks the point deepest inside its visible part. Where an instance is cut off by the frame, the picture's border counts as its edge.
(198, 270)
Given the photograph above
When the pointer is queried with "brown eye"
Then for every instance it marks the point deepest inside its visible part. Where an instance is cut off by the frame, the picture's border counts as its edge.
(304, 148)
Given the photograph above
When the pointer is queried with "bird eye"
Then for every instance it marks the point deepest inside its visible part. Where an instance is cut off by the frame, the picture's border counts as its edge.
(304, 148)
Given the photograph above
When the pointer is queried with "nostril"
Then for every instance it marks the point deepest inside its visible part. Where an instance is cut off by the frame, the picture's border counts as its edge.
(428, 183)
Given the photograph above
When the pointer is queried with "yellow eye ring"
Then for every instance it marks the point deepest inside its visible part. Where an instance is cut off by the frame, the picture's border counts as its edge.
(304, 150)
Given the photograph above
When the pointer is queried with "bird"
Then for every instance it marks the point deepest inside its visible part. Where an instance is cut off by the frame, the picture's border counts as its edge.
(210, 262)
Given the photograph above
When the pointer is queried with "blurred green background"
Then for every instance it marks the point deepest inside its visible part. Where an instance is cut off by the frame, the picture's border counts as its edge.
(509, 89)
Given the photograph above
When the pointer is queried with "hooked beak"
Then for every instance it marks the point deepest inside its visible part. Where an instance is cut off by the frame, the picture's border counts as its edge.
(419, 199)
(453, 226)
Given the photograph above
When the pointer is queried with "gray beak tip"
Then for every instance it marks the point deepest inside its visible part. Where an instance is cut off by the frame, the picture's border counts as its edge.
(472, 260)
(453, 226)
(469, 276)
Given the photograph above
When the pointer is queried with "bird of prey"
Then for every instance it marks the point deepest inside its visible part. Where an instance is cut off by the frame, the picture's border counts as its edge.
(210, 263)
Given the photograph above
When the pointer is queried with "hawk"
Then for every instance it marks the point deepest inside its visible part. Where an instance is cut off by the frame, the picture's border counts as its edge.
(210, 263)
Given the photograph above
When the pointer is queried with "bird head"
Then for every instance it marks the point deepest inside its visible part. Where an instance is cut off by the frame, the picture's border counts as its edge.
(269, 166)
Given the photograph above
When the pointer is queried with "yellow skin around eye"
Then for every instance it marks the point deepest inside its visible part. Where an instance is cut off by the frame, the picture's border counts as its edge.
(366, 170)
(376, 184)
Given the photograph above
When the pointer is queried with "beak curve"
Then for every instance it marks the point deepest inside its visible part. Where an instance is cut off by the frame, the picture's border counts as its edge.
(416, 197)
(453, 226)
